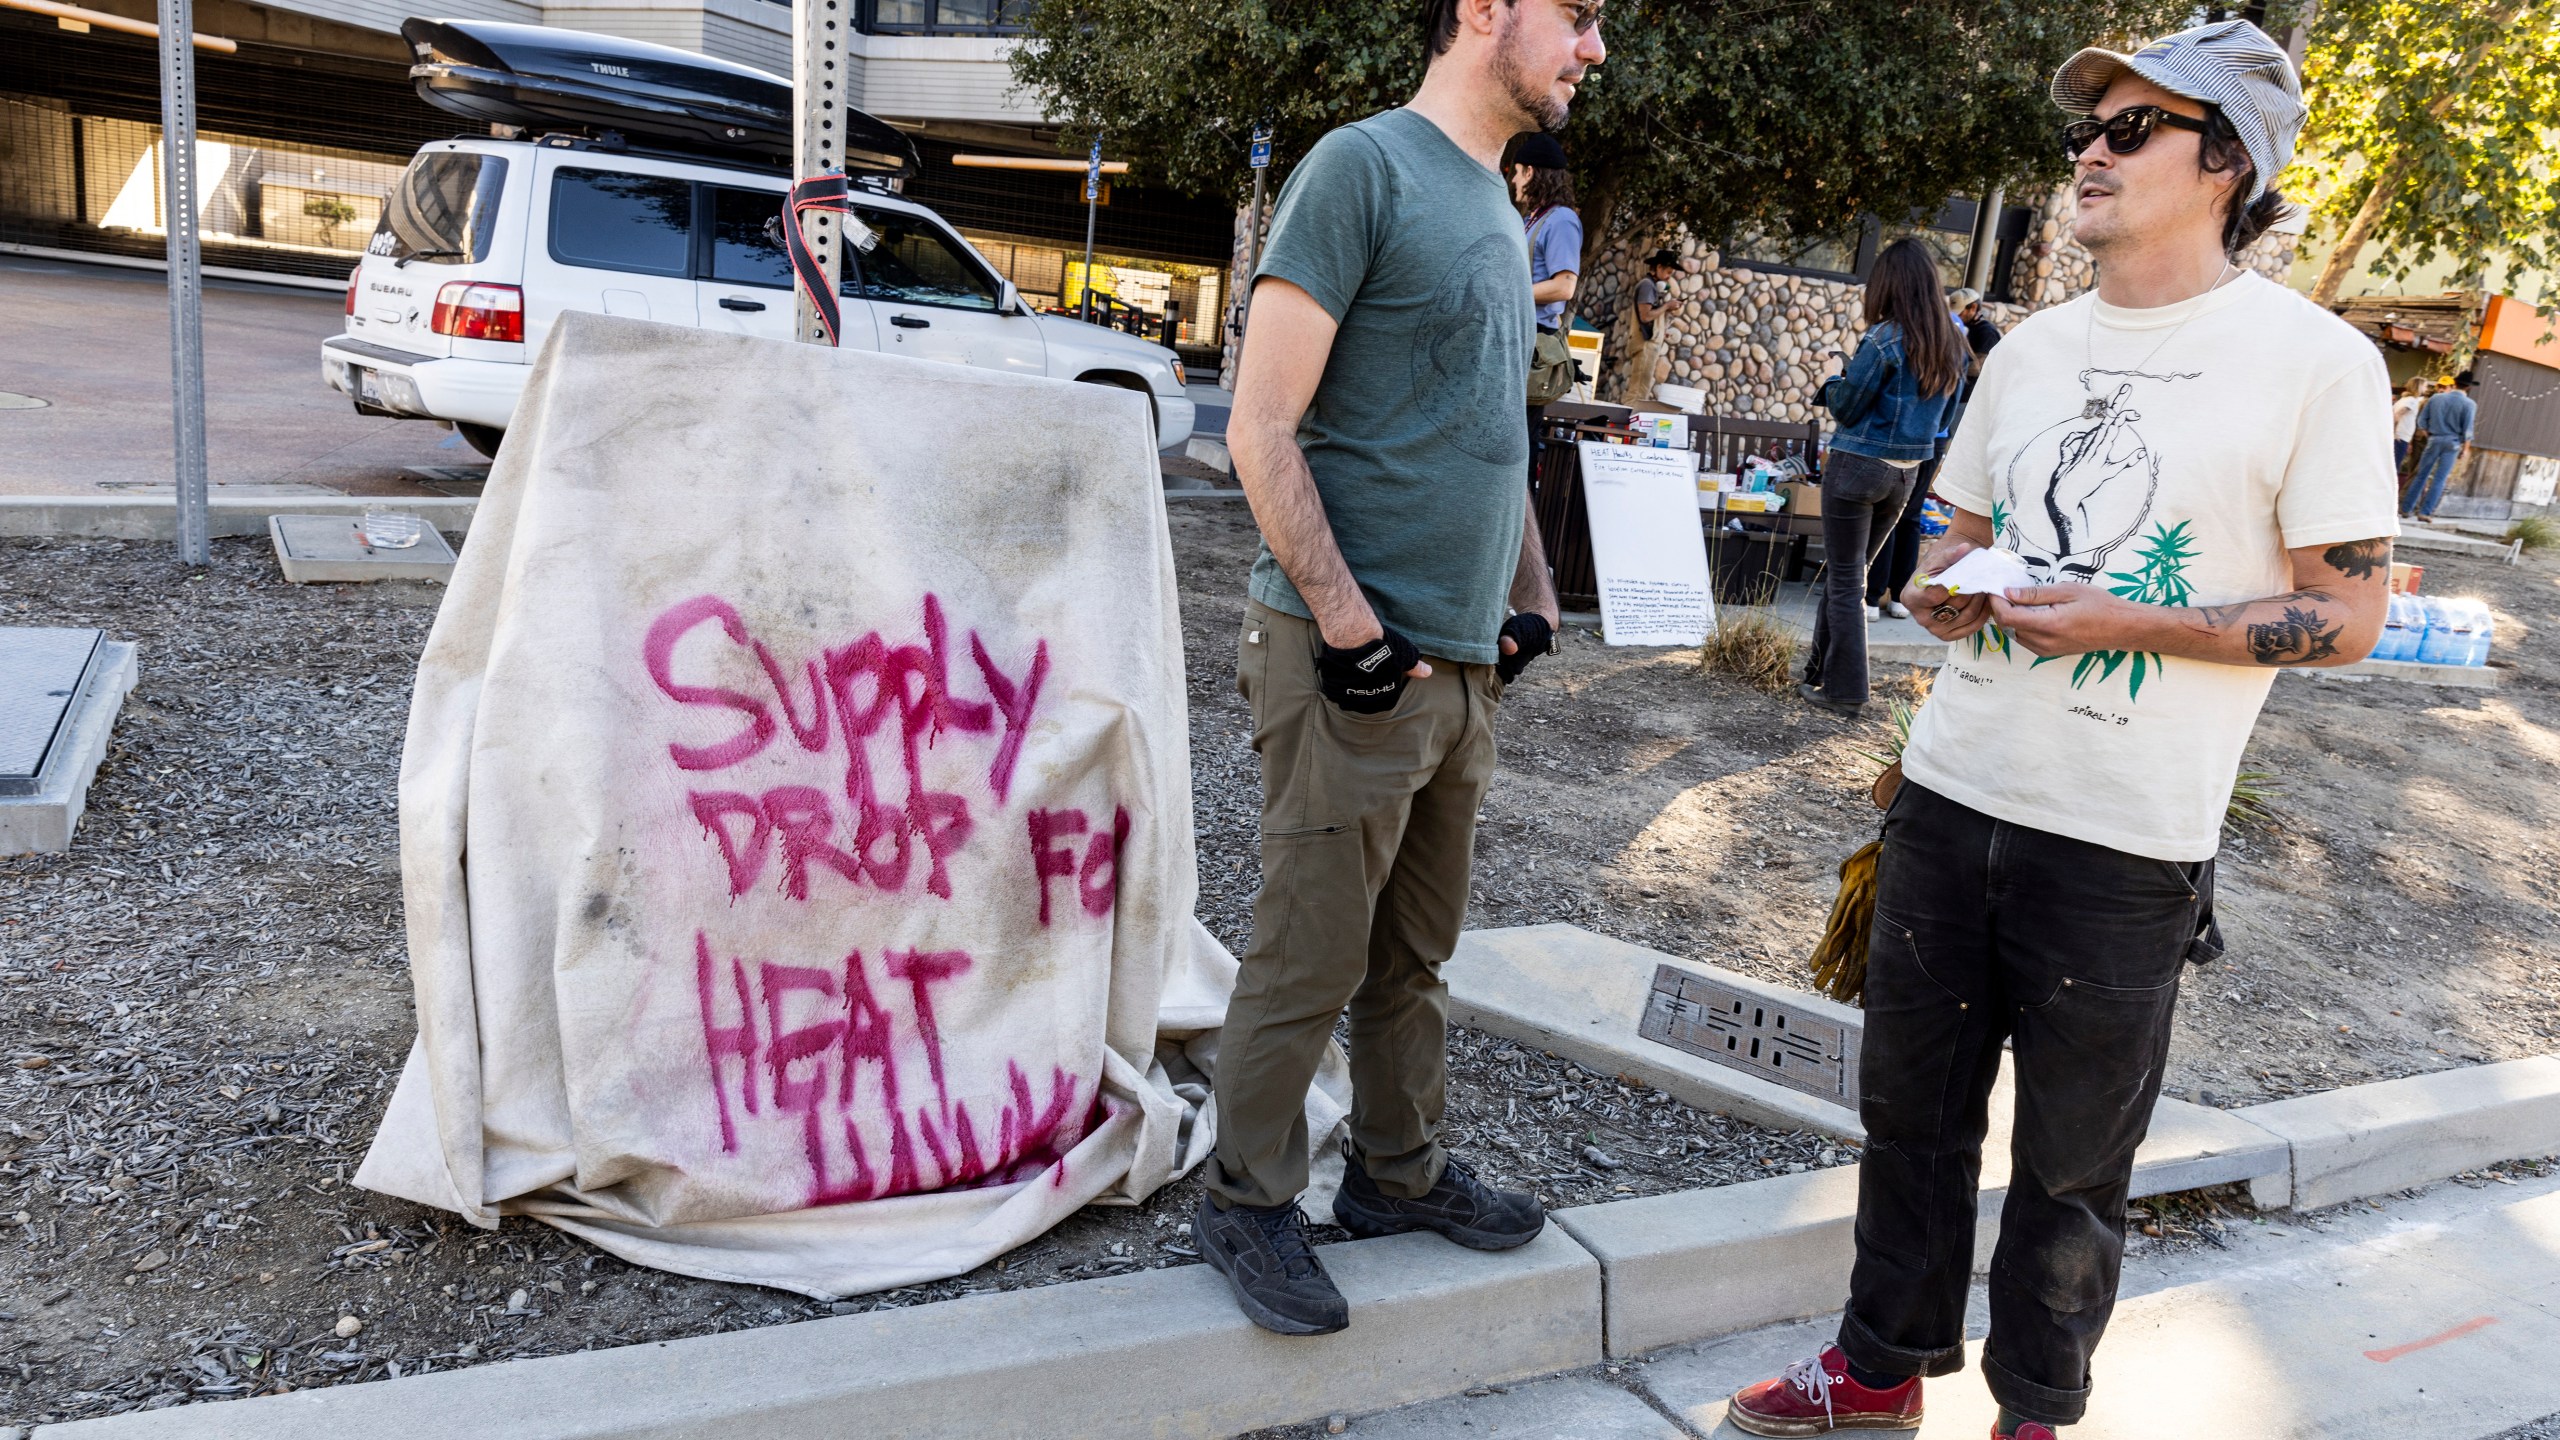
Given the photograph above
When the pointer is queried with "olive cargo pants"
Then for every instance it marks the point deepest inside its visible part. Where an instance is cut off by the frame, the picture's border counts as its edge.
(1368, 829)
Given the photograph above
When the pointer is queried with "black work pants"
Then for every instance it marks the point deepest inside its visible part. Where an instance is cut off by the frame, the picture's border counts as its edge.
(1860, 497)
(1987, 931)
(1900, 557)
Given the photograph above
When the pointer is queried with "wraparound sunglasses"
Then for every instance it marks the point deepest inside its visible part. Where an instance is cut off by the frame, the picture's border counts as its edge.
(2127, 130)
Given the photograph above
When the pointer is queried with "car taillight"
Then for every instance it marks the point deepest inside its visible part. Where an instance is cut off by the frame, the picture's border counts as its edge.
(471, 310)
(352, 277)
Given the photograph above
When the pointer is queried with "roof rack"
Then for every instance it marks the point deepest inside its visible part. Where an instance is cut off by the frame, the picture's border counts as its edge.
(543, 79)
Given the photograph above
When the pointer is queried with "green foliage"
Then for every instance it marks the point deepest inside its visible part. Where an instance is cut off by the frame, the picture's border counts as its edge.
(2455, 106)
(1796, 116)
(2536, 532)
(2252, 803)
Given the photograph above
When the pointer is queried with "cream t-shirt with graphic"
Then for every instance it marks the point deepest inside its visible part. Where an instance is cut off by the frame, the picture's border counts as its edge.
(2171, 456)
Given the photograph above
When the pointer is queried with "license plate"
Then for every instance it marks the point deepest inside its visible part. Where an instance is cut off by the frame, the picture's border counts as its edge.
(368, 385)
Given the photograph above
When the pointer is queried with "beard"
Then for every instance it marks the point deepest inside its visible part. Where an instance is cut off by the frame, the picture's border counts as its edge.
(1532, 95)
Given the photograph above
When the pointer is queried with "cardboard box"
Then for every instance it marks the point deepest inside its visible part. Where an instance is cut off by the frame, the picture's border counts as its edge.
(1755, 502)
(2405, 577)
(1804, 498)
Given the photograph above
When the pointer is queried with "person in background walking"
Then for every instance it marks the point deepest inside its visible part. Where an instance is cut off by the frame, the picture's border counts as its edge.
(1654, 295)
(1901, 555)
(2445, 423)
(1543, 189)
(1400, 587)
(1890, 404)
(2404, 423)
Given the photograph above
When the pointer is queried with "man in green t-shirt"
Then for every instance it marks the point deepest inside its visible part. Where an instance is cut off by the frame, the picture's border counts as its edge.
(1377, 432)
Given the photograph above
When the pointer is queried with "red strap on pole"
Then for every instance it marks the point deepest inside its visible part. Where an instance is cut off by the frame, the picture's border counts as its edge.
(830, 193)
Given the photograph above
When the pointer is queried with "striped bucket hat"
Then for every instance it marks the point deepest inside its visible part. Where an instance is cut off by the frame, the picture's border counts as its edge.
(2233, 66)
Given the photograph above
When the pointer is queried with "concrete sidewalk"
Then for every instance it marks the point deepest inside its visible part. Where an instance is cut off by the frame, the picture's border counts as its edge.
(2437, 1316)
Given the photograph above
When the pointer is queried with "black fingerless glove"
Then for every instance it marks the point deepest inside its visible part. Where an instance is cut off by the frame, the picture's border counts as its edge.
(1367, 679)
(1530, 631)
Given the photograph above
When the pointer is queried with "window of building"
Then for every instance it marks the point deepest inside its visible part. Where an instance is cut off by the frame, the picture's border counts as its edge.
(1849, 257)
(943, 17)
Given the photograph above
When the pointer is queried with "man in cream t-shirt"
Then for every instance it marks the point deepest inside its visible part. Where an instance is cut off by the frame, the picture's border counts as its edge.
(2192, 467)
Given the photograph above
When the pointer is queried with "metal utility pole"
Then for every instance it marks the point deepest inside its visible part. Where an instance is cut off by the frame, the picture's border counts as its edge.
(1260, 158)
(1986, 239)
(817, 133)
(186, 280)
(1092, 189)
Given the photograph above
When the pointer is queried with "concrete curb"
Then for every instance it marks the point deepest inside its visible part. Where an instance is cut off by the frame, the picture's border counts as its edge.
(2369, 1139)
(1162, 1353)
(1702, 1263)
(43, 823)
(120, 517)
(2450, 544)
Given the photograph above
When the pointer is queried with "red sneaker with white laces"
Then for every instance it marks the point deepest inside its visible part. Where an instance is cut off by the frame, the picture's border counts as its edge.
(1816, 1397)
(2027, 1430)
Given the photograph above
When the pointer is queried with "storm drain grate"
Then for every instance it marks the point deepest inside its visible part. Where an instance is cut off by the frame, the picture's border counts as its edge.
(1775, 1041)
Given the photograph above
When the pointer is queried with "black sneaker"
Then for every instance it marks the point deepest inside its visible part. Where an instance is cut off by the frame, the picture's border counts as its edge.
(1263, 1252)
(1460, 1206)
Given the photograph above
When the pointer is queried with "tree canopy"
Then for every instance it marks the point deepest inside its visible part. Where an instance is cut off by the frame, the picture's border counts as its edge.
(1790, 116)
(2435, 129)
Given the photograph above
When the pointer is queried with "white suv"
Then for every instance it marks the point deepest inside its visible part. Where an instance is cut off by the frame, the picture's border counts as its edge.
(484, 242)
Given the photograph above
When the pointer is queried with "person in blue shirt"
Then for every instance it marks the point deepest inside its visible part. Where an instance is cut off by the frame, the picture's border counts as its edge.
(1542, 187)
(1890, 403)
(2445, 422)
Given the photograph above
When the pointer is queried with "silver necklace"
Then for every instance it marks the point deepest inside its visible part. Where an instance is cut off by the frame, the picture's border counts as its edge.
(2097, 404)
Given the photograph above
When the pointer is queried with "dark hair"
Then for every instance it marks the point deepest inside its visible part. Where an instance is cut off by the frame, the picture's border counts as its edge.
(1440, 27)
(2465, 380)
(1904, 287)
(2221, 153)
(1548, 188)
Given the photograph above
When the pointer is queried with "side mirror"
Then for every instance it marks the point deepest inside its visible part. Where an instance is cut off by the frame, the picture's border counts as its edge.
(1008, 299)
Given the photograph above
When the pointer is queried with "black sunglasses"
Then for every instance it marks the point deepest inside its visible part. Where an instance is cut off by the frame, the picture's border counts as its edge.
(2127, 130)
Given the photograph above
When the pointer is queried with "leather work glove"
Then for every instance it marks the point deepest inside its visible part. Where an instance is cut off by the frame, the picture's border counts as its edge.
(1367, 679)
(1530, 631)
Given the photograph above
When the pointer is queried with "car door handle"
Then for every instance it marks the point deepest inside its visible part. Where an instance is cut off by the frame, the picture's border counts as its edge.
(911, 322)
(732, 302)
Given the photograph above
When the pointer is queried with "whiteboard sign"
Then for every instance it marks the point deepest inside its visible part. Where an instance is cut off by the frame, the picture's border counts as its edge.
(1646, 544)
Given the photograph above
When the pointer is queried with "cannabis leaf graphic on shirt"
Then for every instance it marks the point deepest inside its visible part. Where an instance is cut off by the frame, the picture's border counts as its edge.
(2160, 579)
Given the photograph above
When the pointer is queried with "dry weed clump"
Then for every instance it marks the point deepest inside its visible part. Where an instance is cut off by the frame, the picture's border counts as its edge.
(1754, 646)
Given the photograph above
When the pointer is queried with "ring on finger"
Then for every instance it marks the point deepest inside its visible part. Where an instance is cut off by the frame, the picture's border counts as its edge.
(1944, 613)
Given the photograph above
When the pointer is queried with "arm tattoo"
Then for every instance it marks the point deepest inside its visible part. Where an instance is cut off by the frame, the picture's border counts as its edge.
(2358, 559)
(2220, 617)
(2297, 639)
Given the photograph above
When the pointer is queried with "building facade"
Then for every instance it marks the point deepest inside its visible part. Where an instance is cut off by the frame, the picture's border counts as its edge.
(305, 128)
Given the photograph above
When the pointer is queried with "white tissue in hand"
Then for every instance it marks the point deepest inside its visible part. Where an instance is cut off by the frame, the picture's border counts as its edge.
(1984, 572)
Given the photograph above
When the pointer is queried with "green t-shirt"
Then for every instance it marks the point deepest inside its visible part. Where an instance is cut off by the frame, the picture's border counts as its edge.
(1418, 436)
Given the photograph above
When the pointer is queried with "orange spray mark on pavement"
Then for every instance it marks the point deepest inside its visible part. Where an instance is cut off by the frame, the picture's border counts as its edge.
(2477, 1322)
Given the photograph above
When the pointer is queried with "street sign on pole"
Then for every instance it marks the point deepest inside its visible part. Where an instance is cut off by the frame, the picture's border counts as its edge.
(186, 292)
(817, 135)
(1259, 157)
(1092, 188)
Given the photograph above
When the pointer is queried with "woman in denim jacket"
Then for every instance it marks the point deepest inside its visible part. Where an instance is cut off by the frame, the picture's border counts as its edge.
(1889, 404)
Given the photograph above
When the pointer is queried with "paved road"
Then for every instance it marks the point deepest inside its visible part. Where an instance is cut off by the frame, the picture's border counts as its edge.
(93, 341)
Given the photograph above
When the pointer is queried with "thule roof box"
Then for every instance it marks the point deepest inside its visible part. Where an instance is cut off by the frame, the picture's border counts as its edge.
(542, 78)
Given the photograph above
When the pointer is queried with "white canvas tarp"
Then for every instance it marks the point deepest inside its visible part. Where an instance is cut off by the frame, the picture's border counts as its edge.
(796, 819)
